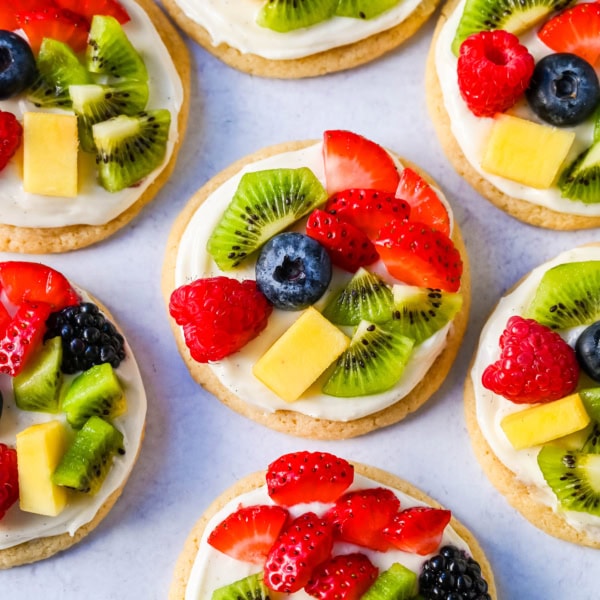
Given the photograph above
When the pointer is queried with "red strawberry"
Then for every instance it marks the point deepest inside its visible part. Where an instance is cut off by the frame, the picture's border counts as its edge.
(8, 19)
(535, 364)
(425, 205)
(416, 254)
(360, 517)
(11, 134)
(575, 30)
(249, 533)
(219, 315)
(9, 480)
(494, 70)
(352, 161)
(308, 477)
(306, 542)
(348, 247)
(89, 8)
(343, 577)
(418, 529)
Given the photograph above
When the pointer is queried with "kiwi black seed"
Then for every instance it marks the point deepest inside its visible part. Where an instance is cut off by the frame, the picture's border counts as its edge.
(265, 203)
(286, 15)
(248, 588)
(363, 9)
(581, 179)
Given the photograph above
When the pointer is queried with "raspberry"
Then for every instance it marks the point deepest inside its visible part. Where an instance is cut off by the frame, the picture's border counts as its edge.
(494, 70)
(219, 315)
(535, 364)
(11, 133)
(9, 481)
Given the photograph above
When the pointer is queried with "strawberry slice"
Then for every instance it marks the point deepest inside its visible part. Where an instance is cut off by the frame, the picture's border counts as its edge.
(368, 210)
(348, 246)
(425, 205)
(249, 533)
(308, 477)
(418, 529)
(416, 254)
(8, 19)
(352, 161)
(576, 30)
(89, 8)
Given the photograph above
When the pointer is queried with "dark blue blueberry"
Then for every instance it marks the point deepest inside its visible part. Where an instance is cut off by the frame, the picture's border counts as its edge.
(293, 271)
(563, 90)
(587, 350)
(17, 64)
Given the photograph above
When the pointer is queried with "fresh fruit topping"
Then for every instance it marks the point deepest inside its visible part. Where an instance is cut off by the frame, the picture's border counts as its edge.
(88, 337)
(89, 8)
(576, 30)
(305, 543)
(425, 204)
(286, 15)
(368, 210)
(587, 350)
(249, 532)
(11, 134)
(360, 517)
(293, 271)
(264, 204)
(348, 246)
(342, 577)
(9, 480)
(251, 587)
(8, 10)
(17, 65)
(581, 179)
(397, 583)
(494, 70)
(308, 477)
(219, 315)
(416, 254)
(352, 161)
(363, 9)
(535, 364)
(452, 574)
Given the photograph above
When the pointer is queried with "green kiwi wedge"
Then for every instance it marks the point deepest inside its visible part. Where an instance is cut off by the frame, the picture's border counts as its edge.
(373, 363)
(128, 148)
(248, 588)
(88, 459)
(568, 295)
(366, 296)
(397, 583)
(287, 15)
(37, 386)
(581, 179)
(420, 312)
(363, 9)
(265, 203)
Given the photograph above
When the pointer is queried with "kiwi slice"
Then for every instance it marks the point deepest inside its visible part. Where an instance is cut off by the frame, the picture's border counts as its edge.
(286, 15)
(568, 295)
(367, 296)
(397, 583)
(128, 148)
(374, 362)
(514, 16)
(37, 386)
(581, 179)
(88, 459)
(363, 9)
(93, 103)
(248, 588)
(265, 203)
(419, 312)
(109, 51)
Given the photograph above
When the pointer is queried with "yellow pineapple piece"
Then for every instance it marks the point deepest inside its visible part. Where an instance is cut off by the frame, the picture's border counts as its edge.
(39, 450)
(50, 145)
(300, 355)
(526, 152)
(545, 422)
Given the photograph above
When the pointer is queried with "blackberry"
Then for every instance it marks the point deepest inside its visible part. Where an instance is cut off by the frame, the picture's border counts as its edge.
(88, 337)
(452, 575)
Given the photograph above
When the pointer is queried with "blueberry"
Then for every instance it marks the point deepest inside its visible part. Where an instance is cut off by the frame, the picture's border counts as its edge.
(17, 64)
(563, 90)
(587, 350)
(293, 271)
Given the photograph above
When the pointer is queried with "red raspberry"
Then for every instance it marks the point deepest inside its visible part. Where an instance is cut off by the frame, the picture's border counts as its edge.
(9, 480)
(494, 70)
(535, 364)
(219, 315)
(11, 133)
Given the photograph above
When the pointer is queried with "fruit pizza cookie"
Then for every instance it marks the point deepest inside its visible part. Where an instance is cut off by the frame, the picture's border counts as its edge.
(93, 106)
(299, 38)
(320, 288)
(317, 526)
(513, 90)
(533, 396)
(72, 417)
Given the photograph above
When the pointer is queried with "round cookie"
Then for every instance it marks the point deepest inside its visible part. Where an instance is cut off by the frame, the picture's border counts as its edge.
(528, 212)
(36, 240)
(335, 59)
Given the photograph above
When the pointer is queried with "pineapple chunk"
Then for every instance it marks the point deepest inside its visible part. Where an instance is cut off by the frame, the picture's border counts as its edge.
(50, 146)
(526, 152)
(300, 355)
(39, 450)
(545, 422)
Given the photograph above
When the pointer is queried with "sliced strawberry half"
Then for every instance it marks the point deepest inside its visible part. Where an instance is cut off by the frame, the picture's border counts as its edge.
(8, 19)
(89, 8)
(353, 161)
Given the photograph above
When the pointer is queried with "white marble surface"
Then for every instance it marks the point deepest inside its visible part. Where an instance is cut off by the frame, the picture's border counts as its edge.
(195, 447)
